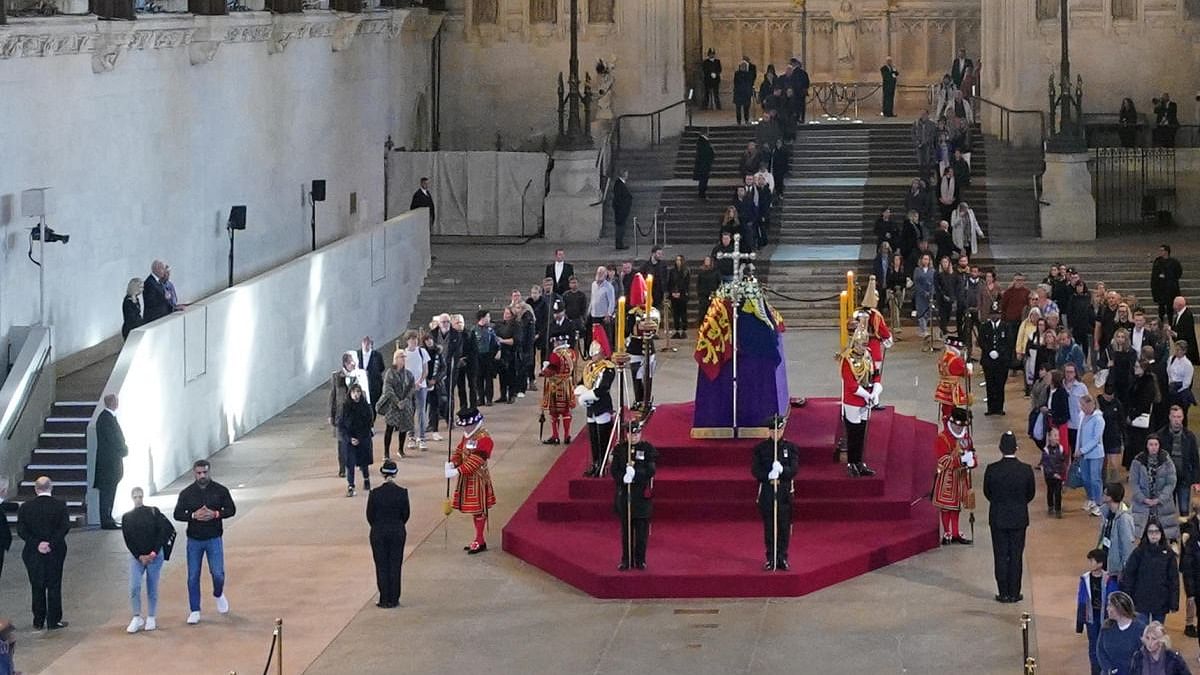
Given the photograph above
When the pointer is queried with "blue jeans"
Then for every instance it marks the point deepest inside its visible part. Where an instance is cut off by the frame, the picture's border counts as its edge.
(421, 413)
(1151, 616)
(1093, 632)
(151, 572)
(196, 550)
(1183, 499)
(1091, 479)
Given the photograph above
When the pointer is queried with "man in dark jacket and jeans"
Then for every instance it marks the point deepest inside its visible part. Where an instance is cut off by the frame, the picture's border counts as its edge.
(204, 505)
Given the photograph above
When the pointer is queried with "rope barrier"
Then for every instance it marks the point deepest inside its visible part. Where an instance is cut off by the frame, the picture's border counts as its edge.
(772, 291)
(271, 653)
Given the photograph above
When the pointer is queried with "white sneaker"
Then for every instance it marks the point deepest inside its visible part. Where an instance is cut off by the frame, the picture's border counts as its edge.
(1095, 511)
(135, 625)
(412, 443)
(520, 394)
(437, 436)
(194, 618)
(1089, 505)
(422, 445)
(151, 623)
(222, 604)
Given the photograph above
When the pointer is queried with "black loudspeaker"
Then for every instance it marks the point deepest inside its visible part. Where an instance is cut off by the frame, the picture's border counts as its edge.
(318, 190)
(237, 218)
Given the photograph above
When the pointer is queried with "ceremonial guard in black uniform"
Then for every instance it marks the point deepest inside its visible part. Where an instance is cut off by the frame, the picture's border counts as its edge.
(387, 514)
(774, 466)
(594, 392)
(633, 473)
(562, 328)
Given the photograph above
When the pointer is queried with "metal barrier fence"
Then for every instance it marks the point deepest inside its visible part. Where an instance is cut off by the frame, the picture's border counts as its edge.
(1133, 187)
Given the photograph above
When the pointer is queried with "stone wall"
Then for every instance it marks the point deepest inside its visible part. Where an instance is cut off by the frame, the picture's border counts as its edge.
(149, 131)
(499, 78)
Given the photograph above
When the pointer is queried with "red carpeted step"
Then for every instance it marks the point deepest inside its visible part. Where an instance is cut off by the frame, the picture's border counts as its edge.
(722, 559)
(706, 482)
(893, 507)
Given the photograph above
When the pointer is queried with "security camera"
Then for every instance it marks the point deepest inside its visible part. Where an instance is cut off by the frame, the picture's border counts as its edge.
(35, 234)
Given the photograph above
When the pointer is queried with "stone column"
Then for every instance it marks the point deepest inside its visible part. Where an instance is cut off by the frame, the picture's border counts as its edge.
(1069, 209)
(574, 187)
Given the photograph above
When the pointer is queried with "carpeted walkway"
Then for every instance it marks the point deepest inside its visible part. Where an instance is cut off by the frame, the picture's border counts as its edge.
(706, 537)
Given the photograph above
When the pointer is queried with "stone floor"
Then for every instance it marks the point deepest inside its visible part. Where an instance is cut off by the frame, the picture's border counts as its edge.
(297, 550)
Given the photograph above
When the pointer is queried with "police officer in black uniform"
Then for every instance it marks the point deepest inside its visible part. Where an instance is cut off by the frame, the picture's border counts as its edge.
(633, 472)
(387, 514)
(995, 359)
(563, 328)
(774, 466)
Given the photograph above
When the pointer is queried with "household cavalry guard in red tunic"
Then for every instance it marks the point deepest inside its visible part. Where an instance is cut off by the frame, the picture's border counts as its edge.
(558, 393)
(473, 494)
(879, 335)
(953, 389)
(860, 393)
(595, 394)
(955, 451)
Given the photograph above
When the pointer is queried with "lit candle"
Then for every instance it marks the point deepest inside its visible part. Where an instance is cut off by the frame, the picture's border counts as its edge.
(850, 289)
(649, 294)
(843, 317)
(620, 346)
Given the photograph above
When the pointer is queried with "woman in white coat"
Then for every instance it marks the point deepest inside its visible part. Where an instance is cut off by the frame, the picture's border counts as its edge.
(965, 230)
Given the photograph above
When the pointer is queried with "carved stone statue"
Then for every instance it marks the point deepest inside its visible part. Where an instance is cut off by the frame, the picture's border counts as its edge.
(604, 89)
(845, 32)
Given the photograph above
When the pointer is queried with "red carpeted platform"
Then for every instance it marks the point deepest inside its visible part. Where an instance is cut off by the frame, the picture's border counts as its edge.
(706, 539)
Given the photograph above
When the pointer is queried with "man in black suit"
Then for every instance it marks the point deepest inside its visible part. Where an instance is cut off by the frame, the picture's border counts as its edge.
(622, 205)
(372, 362)
(110, 455)
(994, 357)
(798, 83)
(959, 69)
(1164, 281)
(154, 296)
(560, 271)
(387, 514)
(1166, 121)
(1183, 327)
(711, 69)
(890, 77)
(421, 199)
(43, 524)
(1009, 487)
(661, 270)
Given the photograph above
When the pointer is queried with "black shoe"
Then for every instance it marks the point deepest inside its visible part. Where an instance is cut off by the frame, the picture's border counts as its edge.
(366, 485)
(782, 566)
(57, 626)
(1016, 598)
(112, 525)
(623, 566)
(38, 626)
(1001, 598)
(961, 540)
(864, 470)
(641, 565)
(946, 541)
(342, 473)
(852, 470)
(567, 439)
(551, 441)
(1190, 630)
(768, 566)
(471, 550)
(988, 413)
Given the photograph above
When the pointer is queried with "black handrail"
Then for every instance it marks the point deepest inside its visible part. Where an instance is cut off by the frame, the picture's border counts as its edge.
(1006, 114)
(655, 123)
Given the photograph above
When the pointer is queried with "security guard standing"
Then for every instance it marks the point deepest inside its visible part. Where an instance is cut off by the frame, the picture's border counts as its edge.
(387, 513)
(774, 466)
(633, 472)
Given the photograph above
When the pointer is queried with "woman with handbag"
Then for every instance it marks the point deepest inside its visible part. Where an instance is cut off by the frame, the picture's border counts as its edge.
(1114, 431)
(1152, 484)
(149, 537)
(1179, 378)
(396, 403)
(1118, 359)
(1029, 339)
(1143, 399)
(1057, 410)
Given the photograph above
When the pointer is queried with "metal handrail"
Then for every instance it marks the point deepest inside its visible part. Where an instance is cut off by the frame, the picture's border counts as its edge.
(655, 122)
(1006, 114)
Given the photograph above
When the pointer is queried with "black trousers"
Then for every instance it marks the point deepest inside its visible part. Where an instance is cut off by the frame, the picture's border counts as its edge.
(485, 376)
(619, 228)
(743, 112)
(712, 93)
(107, 495)
(679, 320)
(1008, 549)
(465, 386)
(1053, 493)
(767, 511)
(598, 435)
(401, 436)
(994, 375)
(45, 583)
(641, 536)
(856, 438)
(388, 550)
(703, 180)
(889, 101)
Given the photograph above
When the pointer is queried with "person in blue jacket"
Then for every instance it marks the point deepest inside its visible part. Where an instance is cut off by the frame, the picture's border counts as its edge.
(1095, 585)
(1120, 635)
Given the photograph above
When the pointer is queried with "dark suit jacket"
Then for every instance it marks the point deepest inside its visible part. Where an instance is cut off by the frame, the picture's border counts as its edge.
(560, 284)
(131, 315)
(5, 531)
(154, 300)
(420, 200)
(993, 339)
(374, 373)
(622, 201)
(957, 72)
(890, 75)
(1184, 326)
(1009, 487)
(110, 451)
(387, 508)
(43, 518)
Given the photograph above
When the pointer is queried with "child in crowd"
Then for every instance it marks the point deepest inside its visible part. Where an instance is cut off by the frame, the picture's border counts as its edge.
(1095, 585)
(1054, 468)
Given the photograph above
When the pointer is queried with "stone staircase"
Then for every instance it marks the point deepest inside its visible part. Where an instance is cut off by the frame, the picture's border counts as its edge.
(61, 454)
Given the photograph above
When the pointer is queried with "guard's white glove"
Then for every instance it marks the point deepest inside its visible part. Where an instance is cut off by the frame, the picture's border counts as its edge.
(628, 475)
(545, 365)
(968, 459)
(862, 392)
(451, 470)
(887, 344)
(586, 396)
(970, 368)
(776, 468)
(993, 355)
(774, 474)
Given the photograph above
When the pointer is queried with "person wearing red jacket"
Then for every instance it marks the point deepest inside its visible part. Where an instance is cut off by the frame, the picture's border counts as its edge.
(558, 393)
(955, 451)
(952, 389)
(473, 494)
(860, 393)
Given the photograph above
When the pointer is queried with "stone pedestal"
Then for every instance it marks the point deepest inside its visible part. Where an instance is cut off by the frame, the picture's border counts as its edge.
(574, 188)
(1069, 209)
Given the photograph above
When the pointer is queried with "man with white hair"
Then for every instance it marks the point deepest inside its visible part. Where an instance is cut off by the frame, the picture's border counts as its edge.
(154, 295)
(43, 524)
